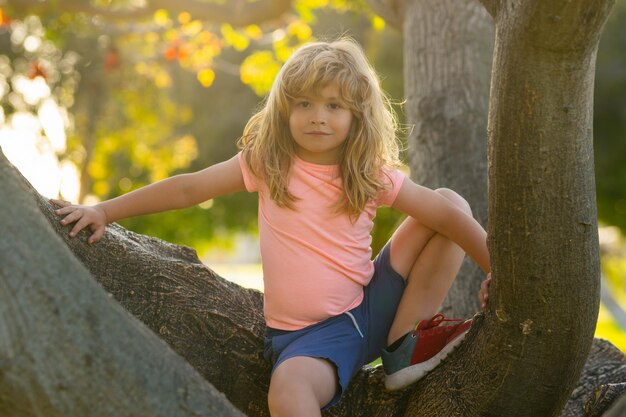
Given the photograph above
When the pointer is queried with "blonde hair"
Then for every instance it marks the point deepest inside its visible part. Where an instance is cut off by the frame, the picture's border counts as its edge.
(269, 148)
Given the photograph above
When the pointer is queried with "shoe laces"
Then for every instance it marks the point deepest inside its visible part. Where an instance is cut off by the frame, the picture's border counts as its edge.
(435, 321)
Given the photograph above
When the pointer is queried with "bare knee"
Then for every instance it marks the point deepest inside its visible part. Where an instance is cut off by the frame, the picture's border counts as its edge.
(281, 399)
(456, 198)
(286, 398)
(292, 397)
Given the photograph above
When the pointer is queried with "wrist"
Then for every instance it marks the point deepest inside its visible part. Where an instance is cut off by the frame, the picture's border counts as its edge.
(102, 210)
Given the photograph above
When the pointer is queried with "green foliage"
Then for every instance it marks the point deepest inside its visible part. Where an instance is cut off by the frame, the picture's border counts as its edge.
(28, 56)
(140, 110)
(202, 227)
(137, 141)
(386, 221)
(258, 71)
(614, 269)
(607, 328)
(610, 120)
(171, 94)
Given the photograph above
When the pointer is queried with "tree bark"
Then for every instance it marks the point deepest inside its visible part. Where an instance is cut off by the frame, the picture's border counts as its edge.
(447, 56)
(214, 324)
(65, 341)
(602, 383)
(66, 348)
(543, 238)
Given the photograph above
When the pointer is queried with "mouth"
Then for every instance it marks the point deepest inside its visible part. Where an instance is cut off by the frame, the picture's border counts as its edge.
(317, 133)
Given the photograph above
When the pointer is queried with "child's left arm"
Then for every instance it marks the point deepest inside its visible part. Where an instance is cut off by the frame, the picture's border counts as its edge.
(441, 215)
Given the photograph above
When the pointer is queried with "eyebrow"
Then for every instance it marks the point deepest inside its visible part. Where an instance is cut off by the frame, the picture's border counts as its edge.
(309, 96)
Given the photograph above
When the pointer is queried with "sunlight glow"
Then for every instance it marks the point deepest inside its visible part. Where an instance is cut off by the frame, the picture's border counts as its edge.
(32, 90)
(32, 43)
(53, 124)
(32, 156)
(36, 155)
(33, 141)
(70, 181)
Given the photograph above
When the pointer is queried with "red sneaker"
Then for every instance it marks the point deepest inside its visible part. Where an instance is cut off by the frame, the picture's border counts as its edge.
(420, 351)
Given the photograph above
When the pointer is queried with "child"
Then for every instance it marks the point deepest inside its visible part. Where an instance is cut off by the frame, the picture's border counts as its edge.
(322, 156)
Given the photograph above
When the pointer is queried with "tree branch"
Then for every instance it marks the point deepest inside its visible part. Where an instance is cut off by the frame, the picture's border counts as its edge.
(235, 12)
(68, 349)
(557, 26)
(605, 367)
(492, 6)
(215, 325)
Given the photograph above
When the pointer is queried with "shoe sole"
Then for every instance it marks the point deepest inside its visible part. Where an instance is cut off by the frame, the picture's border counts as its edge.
(405, 377)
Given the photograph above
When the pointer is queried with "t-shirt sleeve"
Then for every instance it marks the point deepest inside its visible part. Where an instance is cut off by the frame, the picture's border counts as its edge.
(393, 178)
(249, 179)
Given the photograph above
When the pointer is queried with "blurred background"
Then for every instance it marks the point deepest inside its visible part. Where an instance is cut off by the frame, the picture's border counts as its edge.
(98, 98)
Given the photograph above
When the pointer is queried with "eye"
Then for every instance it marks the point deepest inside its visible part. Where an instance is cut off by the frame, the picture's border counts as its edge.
(335, 106)
(303, 104)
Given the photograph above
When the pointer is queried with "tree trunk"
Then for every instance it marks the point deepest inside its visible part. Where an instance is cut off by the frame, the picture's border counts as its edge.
(447, 57)
(214, 324)
(542, 217)
(66, 348)
(542, 226)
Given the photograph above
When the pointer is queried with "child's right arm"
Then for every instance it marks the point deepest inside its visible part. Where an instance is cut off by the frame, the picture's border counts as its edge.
(177, 192)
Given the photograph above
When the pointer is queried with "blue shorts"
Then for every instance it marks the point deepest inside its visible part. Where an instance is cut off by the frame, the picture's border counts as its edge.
(349, 340)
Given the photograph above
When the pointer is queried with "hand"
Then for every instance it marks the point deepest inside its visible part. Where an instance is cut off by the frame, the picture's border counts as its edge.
(483, 294)
(82, 216)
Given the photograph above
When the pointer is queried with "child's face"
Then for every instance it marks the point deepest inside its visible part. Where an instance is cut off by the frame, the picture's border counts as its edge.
(319, 125)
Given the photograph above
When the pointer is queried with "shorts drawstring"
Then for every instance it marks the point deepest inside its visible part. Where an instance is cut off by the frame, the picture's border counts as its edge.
(356, 325)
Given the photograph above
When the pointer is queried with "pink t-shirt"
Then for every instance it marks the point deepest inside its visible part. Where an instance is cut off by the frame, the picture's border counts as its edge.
(315, 261)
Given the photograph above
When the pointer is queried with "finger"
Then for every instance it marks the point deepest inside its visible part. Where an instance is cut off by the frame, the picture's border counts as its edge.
(487, 285)
(60, 203)
(66, 210)
(482, 296)
(97, 235)
(485, 300)
(71, 217)
(80, 225)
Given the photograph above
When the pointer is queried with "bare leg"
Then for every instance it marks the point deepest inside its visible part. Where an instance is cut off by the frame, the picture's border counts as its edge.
(429, 262)
(301, 386)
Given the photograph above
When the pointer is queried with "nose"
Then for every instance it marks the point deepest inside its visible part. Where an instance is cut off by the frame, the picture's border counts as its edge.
(318, 118)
